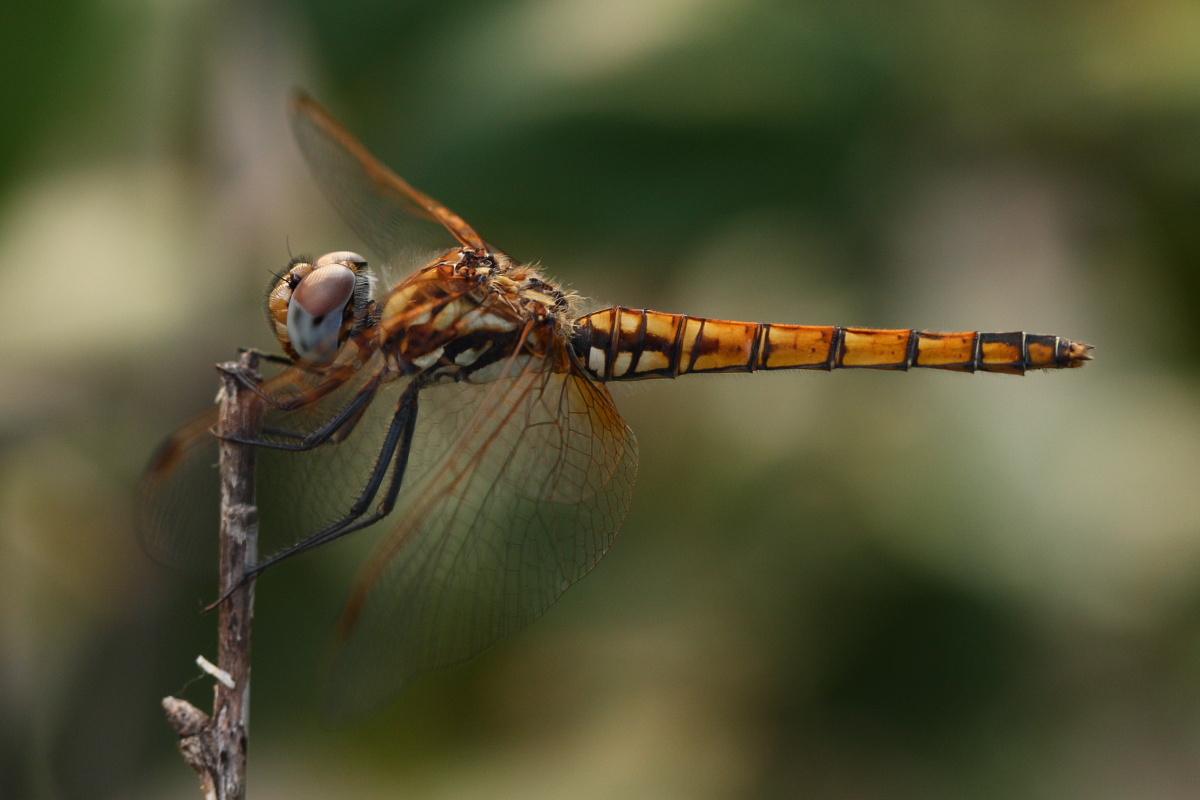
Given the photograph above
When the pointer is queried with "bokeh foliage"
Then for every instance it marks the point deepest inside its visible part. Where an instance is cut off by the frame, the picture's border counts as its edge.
(847, 585)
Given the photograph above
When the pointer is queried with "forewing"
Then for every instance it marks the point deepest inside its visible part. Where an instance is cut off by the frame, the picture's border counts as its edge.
(402, 224)
(524, 495)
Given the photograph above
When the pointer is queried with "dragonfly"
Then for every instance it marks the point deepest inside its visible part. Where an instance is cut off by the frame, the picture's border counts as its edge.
(466, 406)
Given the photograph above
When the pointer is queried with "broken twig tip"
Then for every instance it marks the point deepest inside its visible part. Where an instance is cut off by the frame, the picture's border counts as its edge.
(212, 669)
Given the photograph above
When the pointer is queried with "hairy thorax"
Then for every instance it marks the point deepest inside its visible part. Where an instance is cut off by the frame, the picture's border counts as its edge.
(474, 317)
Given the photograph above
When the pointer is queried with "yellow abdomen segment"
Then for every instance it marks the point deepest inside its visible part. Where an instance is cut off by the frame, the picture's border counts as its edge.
(621, 344)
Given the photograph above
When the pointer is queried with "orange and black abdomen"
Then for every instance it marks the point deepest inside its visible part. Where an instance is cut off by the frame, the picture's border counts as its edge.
(622, 344)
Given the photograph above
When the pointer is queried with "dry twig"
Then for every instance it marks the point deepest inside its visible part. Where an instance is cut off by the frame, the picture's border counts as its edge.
(216, 746)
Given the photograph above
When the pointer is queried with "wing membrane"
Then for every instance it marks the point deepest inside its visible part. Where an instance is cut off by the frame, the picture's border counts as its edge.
(402, 224)
(523, 498)
(177, 513)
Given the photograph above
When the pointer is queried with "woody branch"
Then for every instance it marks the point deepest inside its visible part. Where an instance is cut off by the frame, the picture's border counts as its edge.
(215, 746)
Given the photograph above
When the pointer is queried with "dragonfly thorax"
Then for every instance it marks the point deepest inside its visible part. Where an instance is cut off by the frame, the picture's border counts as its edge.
(471, 316)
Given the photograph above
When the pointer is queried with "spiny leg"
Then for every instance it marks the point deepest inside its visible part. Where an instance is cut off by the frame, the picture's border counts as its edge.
(337, 427)
(398, 441)
(393, 491)
(335, 379)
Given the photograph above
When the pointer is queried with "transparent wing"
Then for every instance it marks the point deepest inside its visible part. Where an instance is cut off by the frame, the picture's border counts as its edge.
(402, 224)
(177, 513)
(177, 504)
(524, 492)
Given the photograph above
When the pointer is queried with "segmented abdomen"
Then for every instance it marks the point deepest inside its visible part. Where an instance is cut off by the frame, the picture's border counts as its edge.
(621, 344)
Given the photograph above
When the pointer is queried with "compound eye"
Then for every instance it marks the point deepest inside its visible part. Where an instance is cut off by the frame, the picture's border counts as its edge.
(341, 257)
(314, 317)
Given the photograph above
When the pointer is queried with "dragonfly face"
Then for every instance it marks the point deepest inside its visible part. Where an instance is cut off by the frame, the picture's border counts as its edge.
(315, 307)
(465, 406)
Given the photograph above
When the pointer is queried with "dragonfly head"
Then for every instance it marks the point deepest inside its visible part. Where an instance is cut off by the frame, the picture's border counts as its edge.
(315, 306)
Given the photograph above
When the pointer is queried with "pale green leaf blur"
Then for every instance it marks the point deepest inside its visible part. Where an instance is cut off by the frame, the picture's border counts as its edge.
(850, 585)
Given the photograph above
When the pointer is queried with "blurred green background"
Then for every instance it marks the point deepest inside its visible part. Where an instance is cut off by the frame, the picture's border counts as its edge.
(847, 585)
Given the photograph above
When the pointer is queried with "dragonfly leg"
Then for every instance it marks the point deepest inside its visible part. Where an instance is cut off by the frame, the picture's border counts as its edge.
(334, 380)
(398, 442)
(337, 427)
(272, 357)
(352, 523)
